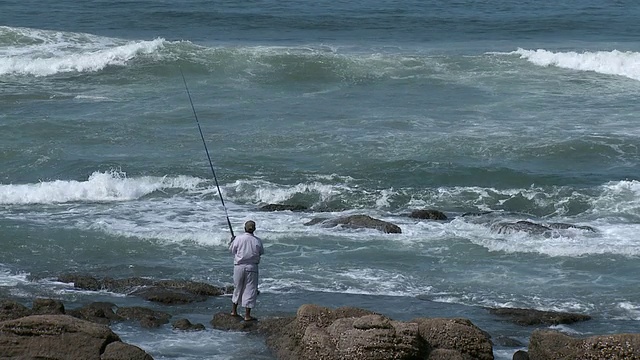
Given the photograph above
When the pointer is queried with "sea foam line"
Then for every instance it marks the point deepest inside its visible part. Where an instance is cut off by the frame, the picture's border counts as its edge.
(100, 186)
(53, 52)
(604, 62)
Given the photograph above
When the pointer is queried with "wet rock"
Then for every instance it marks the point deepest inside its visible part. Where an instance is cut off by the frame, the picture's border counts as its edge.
(148, 318)
(537, 317)
(563, 226)
(507, 341)
(168, 296)
(428, 214)
(364, 221)
(81, 281)
(126, 285)
(524, 226)
(186, 325)
(163, 291)
(283, 207)
(315, 221)
(97, 312)
(192, 287)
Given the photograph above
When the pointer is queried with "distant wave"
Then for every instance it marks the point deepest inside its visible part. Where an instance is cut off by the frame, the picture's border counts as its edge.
(100, 186)
(604, 62)
(45, 52)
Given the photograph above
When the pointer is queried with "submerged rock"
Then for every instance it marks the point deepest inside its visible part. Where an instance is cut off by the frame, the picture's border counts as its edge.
(364, 221)
(283, 207)
(428, 214)
(537, 317)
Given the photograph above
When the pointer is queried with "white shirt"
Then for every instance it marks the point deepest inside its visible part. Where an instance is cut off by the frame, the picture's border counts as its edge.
(247, 249)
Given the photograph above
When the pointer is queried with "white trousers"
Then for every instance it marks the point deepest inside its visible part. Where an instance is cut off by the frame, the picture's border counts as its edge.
(245, 282)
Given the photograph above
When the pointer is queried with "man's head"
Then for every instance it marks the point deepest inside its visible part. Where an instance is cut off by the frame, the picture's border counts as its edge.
(250, 226)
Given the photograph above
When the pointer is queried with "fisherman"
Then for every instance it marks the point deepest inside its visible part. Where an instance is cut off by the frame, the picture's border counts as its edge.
(247, 249)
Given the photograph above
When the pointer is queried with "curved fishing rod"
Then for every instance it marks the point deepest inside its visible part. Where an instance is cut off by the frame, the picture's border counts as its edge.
(208, 157)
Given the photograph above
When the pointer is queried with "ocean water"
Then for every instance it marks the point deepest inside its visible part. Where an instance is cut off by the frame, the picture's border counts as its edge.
(518, 109)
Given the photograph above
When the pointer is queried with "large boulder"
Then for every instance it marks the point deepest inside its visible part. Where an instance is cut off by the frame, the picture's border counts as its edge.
(456, 335)
(318, 332)
(551, 345)
(60, 337)
(10, 310)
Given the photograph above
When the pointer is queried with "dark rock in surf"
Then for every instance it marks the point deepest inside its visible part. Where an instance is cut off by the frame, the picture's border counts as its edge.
(148, 318)
(97, 312)
(315, 221)
(283, 207)
(193, 287)
(535, 228)
(528, 317)
(186, 325)
(476, 213)
(168, 296)
(126, 285)
(564, 226)
(163, 291)
(80, 281)
(364, 221)
(428, 214)
(524, 226)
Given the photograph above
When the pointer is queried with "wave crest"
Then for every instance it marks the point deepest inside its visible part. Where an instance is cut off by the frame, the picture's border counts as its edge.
(604, 62)
(43, 52)
(100, 186)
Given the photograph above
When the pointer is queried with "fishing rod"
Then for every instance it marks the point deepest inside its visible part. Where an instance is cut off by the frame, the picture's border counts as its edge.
(208, 157)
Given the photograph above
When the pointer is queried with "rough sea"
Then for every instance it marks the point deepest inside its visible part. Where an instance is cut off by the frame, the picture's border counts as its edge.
(516, 110)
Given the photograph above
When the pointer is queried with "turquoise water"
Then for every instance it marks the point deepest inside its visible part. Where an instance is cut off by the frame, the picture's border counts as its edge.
(522, 109)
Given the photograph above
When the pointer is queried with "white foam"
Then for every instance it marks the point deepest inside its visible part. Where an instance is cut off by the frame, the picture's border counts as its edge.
(7, 279)
(100, 186)
(45, 52)
(632, 311)
(604, 62)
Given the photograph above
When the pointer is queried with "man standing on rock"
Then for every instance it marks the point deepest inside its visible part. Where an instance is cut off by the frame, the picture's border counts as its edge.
(247, 249)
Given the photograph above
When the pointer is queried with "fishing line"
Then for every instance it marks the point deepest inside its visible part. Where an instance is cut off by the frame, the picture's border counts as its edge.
(208, 157)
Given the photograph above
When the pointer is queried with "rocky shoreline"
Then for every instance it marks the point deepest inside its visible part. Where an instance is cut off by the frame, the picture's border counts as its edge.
(49, 330)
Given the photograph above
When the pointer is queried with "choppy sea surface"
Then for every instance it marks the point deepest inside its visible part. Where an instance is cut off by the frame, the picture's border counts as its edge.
(515, 110)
